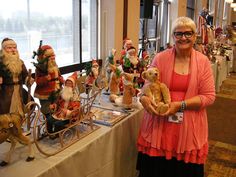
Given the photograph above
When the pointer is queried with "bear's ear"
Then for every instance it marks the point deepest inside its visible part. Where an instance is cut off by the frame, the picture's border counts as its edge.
(144, 74)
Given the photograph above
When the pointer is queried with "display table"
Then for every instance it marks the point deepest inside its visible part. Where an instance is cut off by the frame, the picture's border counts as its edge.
(107, 152)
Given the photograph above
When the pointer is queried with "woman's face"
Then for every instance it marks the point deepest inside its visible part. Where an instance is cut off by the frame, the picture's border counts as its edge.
(184, 38)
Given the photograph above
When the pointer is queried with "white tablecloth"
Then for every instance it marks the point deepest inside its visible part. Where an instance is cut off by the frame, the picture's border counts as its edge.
(107, 152)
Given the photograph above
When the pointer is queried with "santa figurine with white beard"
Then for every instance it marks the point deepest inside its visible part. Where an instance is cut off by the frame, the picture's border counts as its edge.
(127, 43)
(66, 107)
(130, 65)
(92, 74)
(11, 85)
(47, 76)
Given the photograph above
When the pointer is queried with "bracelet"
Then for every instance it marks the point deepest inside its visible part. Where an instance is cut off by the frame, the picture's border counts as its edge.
(183, 106)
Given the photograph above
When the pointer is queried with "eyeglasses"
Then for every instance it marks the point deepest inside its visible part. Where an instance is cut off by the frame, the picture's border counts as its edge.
(187, 34)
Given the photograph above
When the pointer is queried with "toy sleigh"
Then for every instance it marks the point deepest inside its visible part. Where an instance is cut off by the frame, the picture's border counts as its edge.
(77, 128)
(35, 122)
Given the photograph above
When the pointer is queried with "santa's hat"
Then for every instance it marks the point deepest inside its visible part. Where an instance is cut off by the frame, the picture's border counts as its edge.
(145, 55)
(7, 41)
(131, 49)
(94, 63)
(73, 78)
(45, 50)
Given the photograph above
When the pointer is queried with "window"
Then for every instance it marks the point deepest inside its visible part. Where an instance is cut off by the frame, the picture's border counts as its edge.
(155, 32)
(226, 14)
(190, 8)
(219, 14)
(71, 32)
(211, 7)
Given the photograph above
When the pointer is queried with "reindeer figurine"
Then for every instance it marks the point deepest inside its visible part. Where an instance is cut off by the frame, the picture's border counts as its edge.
(10, 128)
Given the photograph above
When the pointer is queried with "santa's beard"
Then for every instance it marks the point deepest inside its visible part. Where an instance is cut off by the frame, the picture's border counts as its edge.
(133, 59)
(12, 62)
(67, 93)
(52, 67)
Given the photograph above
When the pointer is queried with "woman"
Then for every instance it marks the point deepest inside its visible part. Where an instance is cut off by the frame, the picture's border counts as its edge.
(178, 147)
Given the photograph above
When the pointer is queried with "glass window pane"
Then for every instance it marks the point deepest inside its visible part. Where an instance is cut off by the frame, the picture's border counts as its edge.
(52, 21)
(190, 3)
(30, 21)
(89, 30)
(151, 33)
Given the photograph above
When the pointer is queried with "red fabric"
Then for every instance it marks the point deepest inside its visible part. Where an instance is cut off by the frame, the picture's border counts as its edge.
(90, 80)
(193, 156)
(169, 141)
(72, 106)
(44, 87)
(193, 131)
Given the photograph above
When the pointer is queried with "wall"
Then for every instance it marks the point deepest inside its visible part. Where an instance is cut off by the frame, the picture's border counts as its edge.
(133, 21)
(111, 24)
(182, 6)
(112, 21)
(107, 26)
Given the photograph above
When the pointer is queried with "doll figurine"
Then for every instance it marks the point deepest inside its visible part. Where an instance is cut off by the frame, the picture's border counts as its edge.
(115, 76)
(129, 90)
(66, 107)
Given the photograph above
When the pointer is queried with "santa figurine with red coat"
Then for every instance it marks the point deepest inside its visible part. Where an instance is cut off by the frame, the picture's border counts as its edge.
(92, 73)
(66, 107)
(47, 77)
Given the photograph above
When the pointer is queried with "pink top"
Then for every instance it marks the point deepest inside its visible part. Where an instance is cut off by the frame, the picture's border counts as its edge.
(186, 141)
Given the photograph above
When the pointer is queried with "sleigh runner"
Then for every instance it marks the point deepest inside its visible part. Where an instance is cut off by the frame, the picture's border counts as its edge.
(75, 130)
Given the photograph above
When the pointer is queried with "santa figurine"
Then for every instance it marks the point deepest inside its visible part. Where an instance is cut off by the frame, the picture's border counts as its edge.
(92, 73)
(13, 74)
(113, 75)
(66, 108)
(127, 43)
(47, 76)
(130, 62)
(129, 90)
(130, 65)
(144, 63)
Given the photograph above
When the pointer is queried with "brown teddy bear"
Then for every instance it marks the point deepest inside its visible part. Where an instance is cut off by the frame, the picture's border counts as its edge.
(157, 91)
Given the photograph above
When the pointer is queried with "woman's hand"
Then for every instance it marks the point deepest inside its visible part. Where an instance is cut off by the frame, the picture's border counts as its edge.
(173, 108)
(148, 105)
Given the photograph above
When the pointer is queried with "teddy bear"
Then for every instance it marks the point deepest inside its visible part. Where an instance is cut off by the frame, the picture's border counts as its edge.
(157, 91)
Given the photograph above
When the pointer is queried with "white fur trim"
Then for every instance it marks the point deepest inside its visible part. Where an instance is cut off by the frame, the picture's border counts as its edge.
(8, 42)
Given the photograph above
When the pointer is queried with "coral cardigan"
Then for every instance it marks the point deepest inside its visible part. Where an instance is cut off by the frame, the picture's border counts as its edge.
(194, 129)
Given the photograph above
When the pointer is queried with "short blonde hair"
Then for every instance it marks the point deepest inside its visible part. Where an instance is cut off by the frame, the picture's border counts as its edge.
(184, 22)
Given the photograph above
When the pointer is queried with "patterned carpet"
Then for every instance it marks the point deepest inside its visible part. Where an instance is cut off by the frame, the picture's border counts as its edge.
(221, 160)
